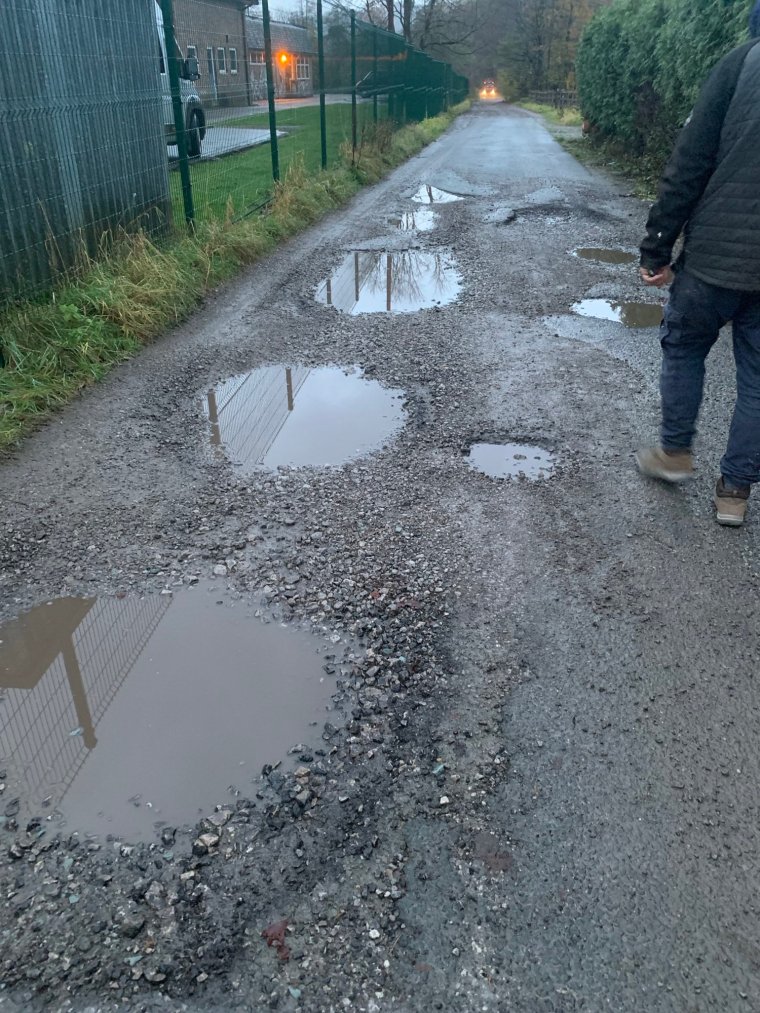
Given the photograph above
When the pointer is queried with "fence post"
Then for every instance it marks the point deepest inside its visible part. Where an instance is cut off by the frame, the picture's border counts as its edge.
(321, 62)
(354, 131)
(270, 90)
(374, 75)
(173, 61)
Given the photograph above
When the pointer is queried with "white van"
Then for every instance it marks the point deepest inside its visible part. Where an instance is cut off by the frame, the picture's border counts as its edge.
(195, 118)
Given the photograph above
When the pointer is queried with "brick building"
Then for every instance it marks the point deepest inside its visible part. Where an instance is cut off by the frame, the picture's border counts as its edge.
(214, 32)
(293, 53)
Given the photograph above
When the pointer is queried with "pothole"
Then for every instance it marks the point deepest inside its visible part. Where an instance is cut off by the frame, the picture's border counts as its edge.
(511, 460)
(604, 256)
(122, 715)
(630, 314)
(421, 220)
(432, 195)
(294, 416)
(368, 281)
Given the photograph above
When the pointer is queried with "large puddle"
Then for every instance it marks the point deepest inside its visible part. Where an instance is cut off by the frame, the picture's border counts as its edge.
(294, 416)
(432, 195)
(368, 281)
(630, 314)
(120, 715)
(604, 256)
(421, 220)
(511, 460)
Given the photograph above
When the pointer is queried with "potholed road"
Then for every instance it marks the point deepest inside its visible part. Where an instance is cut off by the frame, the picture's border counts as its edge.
(557, 809)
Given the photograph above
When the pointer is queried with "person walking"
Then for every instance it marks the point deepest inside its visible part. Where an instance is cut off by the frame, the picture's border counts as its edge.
(710, 190)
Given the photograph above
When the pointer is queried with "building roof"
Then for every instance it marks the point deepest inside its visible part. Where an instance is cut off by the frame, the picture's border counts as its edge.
(289, 38)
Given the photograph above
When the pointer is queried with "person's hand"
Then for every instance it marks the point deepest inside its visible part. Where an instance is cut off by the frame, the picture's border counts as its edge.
(657, 279)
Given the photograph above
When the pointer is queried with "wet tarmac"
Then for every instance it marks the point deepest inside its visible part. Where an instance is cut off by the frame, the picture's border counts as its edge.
(295, 416)
(432, 195)
(511, 460)
(630, 314)
(120, 715)
(369, 281)
(605, 256)
(421, 220)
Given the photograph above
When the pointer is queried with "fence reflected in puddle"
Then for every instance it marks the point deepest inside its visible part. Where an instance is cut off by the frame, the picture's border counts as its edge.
(511, 460)
(603, 256)
(432, 195)
(630, 314)
(421, 220)
(294, 416)
(369, 281)
(118, 713)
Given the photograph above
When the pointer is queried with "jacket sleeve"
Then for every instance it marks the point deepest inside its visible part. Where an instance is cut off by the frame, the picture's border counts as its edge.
(692, 162)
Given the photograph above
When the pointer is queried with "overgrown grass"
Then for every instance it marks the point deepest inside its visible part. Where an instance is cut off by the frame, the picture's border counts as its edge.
(234, 182)
(55, 347)
(642, 171)
(569, 117)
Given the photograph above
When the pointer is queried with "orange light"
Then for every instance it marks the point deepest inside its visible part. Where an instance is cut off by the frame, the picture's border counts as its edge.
(284, 57)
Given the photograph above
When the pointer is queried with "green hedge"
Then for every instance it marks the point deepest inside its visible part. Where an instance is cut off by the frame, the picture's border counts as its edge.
(641, 64)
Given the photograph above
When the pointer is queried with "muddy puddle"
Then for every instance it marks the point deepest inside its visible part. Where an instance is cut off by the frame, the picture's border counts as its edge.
(295, 416)
(630, 314)
(603, 256)
(421, 220)
(511, 460)
(432, 195)
(370, 281)
(122, 714)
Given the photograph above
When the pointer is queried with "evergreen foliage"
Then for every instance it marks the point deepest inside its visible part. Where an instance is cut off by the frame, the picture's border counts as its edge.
(641, 64)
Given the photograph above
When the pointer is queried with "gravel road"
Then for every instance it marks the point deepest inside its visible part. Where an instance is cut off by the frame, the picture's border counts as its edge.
(542, 796)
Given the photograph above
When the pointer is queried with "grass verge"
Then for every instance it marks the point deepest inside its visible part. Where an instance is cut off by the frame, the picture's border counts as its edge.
(641, 172)
(54, 348)
(569, 117)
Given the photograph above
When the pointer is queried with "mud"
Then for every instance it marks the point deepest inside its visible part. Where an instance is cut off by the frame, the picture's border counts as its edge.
(297, 416)
(368, 281)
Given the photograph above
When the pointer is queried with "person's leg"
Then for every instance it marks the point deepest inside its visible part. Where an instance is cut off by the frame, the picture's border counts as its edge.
(740, 466)
(694, 315)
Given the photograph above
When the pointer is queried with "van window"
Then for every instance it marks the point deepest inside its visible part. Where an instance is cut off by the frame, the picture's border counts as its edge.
(161, 63)
(221, 60)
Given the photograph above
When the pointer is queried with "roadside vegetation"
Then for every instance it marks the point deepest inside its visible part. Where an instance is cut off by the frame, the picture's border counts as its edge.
(568, 117)
(641, 64)
(54, 347)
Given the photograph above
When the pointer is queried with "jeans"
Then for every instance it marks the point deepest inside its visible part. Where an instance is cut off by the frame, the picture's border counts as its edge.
(694, 315)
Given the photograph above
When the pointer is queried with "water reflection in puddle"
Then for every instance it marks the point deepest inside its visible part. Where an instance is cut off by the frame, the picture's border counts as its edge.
(631, 314)
(511, 460)
(294, 416)
(118, 713)
(369, 281)
(421, 220)
(432, 195)
(603, 256)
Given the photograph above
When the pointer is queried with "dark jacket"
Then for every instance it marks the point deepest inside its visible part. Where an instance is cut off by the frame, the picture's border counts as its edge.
(711, 184)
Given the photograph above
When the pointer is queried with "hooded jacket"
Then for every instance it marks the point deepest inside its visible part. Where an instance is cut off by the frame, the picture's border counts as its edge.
(711, 185)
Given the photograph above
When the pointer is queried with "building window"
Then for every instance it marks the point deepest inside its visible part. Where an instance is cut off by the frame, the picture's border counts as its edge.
(233, 60)
(192, 52)
(303, 68)
(221, 60)
(257, 56)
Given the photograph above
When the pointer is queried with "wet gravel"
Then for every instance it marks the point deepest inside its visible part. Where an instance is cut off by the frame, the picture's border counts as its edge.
(497, 822)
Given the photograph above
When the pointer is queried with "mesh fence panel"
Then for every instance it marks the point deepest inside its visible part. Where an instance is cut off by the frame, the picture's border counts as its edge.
(92, 103)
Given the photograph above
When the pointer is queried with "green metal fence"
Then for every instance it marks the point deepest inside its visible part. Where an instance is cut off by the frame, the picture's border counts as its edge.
(162, 112)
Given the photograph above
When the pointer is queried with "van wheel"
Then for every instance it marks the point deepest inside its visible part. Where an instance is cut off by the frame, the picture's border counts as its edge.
(194, 136)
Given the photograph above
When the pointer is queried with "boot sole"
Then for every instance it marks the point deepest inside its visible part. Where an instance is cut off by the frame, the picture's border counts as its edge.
(675, 477)
(727, 520)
